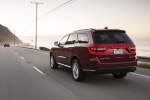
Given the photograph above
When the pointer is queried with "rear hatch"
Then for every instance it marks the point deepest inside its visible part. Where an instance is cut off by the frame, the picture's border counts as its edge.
(113, 46)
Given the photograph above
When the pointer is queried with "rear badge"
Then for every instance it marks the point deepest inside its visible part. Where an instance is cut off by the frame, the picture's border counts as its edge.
(118, 51)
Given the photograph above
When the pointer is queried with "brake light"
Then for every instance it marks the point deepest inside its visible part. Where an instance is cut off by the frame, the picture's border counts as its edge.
(97, 50)
(132, 49)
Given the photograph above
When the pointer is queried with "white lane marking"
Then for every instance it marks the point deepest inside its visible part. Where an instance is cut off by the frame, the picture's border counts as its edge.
(141, 75)
(21, 57)
(38, 70)
(16, 53)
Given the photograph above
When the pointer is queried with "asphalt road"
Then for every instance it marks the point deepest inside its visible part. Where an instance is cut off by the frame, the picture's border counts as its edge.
(25, 75)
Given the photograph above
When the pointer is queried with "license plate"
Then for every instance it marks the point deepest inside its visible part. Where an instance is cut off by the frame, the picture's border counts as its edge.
(118, 51)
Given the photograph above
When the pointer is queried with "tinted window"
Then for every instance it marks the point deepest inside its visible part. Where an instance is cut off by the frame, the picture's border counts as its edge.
(72, 39)
(63, 40)
(111, 37)
(83, 38)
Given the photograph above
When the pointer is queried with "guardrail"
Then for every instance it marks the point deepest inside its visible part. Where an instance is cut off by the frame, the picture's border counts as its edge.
(143, 59)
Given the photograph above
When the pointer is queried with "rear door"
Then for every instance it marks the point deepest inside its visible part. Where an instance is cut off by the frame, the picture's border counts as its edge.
(68, 48)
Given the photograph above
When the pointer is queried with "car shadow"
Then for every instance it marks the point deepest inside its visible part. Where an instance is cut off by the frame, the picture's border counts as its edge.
(102, 79)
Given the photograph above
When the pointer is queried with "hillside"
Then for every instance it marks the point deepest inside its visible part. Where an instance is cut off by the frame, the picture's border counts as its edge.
(7, 36)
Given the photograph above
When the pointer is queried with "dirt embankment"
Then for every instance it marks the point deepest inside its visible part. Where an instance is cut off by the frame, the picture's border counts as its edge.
(7, 36)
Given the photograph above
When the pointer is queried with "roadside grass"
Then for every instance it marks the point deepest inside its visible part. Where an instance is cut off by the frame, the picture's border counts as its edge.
(143, 65)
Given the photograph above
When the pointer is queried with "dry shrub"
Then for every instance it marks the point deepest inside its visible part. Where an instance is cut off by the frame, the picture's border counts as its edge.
(143, 65)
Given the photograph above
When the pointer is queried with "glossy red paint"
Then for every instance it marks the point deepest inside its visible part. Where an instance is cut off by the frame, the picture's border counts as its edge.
(95, 54)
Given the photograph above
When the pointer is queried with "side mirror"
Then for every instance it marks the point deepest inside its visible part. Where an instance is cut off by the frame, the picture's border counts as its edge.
(56, 43)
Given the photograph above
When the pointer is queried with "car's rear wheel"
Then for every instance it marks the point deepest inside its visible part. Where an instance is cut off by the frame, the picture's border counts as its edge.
(77, 72)
(120, 75)
(53, 63)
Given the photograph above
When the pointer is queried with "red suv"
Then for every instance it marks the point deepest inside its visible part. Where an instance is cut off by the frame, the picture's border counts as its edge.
(97, 51)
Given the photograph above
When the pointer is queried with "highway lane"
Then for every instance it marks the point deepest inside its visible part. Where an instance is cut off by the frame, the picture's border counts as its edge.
(25, 75)
(20, 81)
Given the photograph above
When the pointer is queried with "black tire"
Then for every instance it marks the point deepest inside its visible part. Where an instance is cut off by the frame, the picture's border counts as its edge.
(120, 75)
(53, 63)
(77, 72)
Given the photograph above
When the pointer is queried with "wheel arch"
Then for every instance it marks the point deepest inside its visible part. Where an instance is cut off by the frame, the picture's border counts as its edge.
(75, 57)
(51, 53)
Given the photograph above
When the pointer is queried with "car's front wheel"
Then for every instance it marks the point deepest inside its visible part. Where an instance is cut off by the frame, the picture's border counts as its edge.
(120, 75)
(77, 72)
(53, 63)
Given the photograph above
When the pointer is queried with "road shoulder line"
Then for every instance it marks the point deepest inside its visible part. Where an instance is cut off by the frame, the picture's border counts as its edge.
(141, 75)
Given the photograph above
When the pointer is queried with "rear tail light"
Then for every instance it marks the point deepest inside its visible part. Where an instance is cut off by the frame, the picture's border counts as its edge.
(97, 50)
(132, 49)
(102, 50)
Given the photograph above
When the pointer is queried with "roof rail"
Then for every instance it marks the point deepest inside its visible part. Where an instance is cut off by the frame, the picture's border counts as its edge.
(85, 29)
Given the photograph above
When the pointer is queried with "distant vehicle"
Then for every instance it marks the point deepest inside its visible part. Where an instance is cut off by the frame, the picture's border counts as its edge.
(95, 51)
(6, 44)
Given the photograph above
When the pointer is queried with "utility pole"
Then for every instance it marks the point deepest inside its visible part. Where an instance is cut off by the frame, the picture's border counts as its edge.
(14, 38)
(36, 21)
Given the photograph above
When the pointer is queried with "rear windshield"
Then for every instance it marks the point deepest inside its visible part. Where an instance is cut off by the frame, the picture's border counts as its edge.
(111, 38)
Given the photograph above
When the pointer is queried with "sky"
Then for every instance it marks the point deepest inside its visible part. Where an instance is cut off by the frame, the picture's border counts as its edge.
(130, 15)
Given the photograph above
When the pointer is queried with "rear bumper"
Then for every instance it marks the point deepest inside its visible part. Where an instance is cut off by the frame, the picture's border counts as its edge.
(110, 70)
(95, 64)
